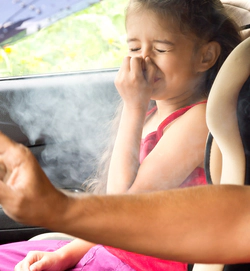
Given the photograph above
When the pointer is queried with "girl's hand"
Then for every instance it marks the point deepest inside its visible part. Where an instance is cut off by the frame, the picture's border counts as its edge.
(135, 80)
(38, 261)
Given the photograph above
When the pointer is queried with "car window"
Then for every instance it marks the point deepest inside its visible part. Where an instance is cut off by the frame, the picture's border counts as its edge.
(93, 38)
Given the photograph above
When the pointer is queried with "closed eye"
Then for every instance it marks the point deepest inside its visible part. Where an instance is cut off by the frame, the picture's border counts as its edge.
(160, 51)
(134, 49)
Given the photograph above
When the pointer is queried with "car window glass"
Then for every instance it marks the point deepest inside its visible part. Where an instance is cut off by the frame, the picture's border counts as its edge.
(93, 38)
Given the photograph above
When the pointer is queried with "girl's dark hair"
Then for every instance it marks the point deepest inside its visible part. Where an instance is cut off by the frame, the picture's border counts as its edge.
(206, 19)
(97, 183)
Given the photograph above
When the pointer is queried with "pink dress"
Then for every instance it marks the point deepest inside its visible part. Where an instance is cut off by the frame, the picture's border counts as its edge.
(101, 258)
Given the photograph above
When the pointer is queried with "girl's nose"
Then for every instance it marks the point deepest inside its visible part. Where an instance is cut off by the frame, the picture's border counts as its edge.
(145, 53)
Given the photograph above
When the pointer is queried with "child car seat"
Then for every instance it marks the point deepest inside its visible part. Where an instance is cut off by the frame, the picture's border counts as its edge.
(243, 116)
(239, 10)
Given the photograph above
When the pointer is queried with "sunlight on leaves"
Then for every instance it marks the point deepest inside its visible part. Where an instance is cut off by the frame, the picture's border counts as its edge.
(93, 38)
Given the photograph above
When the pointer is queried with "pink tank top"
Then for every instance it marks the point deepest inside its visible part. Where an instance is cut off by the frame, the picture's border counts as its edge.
(197, 177)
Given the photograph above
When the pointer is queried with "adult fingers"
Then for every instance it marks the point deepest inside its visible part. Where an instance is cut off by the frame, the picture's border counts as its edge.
(6, 146)
(5, 143)
(6, 196)
(12, 155)
(3, 171)
(5, 193)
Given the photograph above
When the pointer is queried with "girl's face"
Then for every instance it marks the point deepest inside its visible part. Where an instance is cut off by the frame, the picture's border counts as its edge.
(173, 53)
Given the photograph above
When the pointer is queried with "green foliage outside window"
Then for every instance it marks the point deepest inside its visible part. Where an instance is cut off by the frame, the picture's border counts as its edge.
(90, 39)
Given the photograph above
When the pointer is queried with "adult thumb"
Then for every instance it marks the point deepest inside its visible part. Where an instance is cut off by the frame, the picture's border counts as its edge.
(5, 193)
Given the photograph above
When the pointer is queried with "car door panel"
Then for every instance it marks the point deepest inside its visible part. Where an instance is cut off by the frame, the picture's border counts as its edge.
(63, 120)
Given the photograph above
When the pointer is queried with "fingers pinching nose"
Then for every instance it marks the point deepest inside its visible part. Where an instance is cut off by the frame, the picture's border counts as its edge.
(147, 60)
(150, 69)
(143, 65)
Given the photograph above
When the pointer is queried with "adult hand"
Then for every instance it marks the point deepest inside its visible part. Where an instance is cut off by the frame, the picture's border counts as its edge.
(41, 261)
(135, 80)
(26, 194)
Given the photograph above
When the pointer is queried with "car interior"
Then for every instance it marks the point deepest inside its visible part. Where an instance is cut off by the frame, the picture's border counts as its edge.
(62, 118)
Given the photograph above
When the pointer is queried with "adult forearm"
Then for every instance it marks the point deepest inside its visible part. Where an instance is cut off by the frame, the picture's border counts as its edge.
(201, 224)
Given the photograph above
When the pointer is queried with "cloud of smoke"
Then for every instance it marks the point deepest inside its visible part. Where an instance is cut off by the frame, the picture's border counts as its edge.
(70, 114)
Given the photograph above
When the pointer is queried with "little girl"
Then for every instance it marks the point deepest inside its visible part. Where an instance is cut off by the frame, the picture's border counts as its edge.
(176, 48)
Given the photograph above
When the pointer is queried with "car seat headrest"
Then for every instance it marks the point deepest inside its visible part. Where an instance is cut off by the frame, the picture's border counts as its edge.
(243, 116)
(239, 10)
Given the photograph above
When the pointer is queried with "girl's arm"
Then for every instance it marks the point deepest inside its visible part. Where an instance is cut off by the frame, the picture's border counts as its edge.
(61, 259)
(135, 87)
(221, 112)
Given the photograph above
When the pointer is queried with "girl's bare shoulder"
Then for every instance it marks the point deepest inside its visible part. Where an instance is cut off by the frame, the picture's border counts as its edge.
(197, 112)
